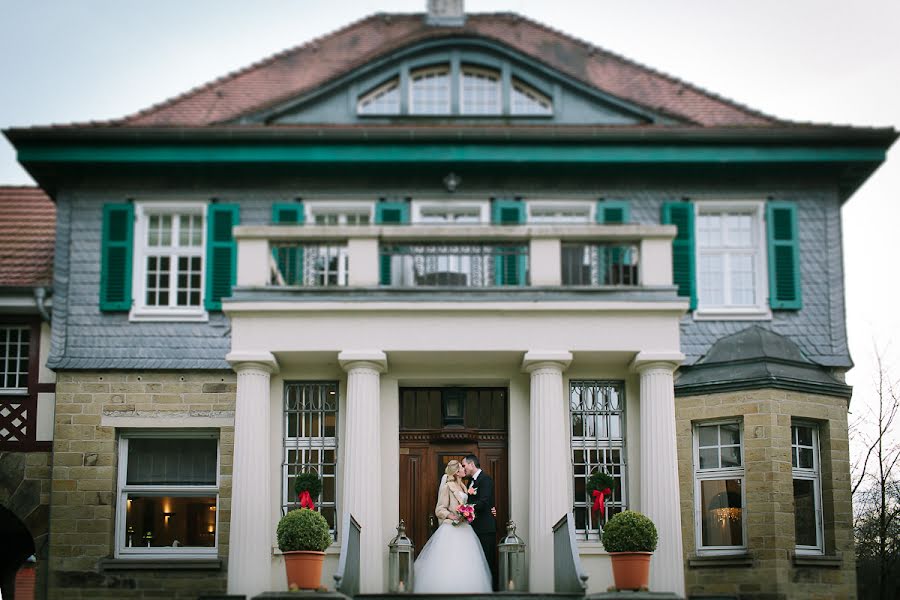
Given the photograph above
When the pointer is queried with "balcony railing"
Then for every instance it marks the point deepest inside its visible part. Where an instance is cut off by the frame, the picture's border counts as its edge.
(478, 257)
(453, 265)
(600, 264)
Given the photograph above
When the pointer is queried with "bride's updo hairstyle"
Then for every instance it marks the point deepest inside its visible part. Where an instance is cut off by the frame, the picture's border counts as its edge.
(452, 468)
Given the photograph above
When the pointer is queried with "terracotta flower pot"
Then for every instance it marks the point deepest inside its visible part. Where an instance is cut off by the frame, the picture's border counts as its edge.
(304, 569)
(631, 570)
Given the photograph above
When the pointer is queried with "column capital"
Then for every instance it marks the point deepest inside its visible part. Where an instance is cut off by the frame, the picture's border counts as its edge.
(645, 360)
(535, 359)
(241, 361)
(373, 359)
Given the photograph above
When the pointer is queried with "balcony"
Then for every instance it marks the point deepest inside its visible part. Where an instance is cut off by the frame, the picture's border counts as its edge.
(481, 257)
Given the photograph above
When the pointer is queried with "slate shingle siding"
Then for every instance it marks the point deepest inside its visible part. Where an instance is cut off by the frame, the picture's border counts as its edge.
(85, 338)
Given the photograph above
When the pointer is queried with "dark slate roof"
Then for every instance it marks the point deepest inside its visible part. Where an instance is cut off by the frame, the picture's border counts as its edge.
(755, 358)
(302, 69)
(27, 235)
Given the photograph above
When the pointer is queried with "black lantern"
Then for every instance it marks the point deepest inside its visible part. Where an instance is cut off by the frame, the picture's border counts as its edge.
(401, 562)
(512, 561)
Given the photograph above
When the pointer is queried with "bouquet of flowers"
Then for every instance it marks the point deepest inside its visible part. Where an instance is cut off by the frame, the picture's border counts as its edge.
(467, 512)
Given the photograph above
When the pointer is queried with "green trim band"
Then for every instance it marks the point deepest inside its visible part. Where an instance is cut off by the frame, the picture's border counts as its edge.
(376, 153)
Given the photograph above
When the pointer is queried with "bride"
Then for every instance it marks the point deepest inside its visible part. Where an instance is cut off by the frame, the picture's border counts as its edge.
(452, 545)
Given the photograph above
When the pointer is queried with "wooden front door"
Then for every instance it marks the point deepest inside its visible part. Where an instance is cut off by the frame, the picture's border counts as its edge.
(441, 424)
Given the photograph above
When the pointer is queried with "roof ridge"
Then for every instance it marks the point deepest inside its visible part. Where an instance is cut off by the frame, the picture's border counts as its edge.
(243, 70)
(671, 78)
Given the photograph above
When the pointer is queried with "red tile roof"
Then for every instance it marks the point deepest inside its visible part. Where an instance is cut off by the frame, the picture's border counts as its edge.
(302, 69)
(27, 235)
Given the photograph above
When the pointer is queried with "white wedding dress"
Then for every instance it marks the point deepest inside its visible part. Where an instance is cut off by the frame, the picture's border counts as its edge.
(452, 562)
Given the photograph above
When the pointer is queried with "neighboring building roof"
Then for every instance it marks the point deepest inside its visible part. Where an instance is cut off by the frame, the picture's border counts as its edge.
(27, 236)
(756, 358)
(302, 69)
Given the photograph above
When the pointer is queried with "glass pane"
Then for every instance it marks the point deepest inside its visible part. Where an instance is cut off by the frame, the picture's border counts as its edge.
(171, 461)
(804, 435)
(170, 521)
(731, 456)
(430, 92)
(740, 230)
(805, 512)
(730, 434)
(709, 458)
(721, 512)
(709, 435)
(806, 458)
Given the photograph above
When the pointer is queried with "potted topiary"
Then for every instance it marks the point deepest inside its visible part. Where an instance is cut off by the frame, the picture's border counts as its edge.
(630, 538)
(303, 537)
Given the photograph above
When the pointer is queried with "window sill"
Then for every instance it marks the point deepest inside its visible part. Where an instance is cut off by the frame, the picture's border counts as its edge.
(137, 316)
(721, 560)
(818, 560)
(160, 564)
(732, 314)
(591, 548)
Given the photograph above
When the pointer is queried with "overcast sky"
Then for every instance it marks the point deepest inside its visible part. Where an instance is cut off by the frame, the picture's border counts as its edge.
(829, 61)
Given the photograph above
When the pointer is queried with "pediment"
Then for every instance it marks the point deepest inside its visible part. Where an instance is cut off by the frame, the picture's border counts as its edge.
(456, 81)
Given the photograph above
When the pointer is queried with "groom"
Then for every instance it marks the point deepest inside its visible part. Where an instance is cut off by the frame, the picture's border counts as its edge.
(481, 495)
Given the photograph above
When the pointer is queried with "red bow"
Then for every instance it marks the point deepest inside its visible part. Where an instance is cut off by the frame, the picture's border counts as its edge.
(306, 500)
(598, 500)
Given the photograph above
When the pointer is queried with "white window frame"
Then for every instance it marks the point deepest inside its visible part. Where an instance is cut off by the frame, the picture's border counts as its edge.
(4, 365)
(587, 206)
(122, 491)
(717, 474)
(372, 98)
(485, 73)
(450, 206)
(139, 310)
(528, 90)
(760, 310)
(815, 475)
(340, 208)
(424, 72)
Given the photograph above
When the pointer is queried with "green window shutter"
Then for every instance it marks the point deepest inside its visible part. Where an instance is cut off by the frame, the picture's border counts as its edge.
(681, 214)
(613, 212)
(116, 257)
(221, 253)
(784, 256)
(510, 266)
(389, 212)
(289, 260)
(291, 213)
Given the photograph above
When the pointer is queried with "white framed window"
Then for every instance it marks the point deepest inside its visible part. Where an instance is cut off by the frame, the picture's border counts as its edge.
(440, 212)
(429, 91)
(168, 491)
(527, 101)
(311, 443)
(597, 428)
(339, 212)
(480, 91)
(719, 484)
(731, 260)
(14, 349)
(169, 257)
(806, 470)
(383, 100)
(560, 212)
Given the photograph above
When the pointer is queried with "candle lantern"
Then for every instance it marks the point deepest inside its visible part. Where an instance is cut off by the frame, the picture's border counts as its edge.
(401, 562)
(512, 561)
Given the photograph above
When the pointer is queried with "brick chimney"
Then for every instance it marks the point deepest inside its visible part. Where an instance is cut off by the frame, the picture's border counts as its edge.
(446, 13)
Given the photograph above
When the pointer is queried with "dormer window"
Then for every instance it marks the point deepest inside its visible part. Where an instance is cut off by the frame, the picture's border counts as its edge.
(429, 91)
(383, 100)
(528, 101)
(480, 92)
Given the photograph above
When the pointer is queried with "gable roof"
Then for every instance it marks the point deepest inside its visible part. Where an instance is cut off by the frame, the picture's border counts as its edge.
(300, 70)
(27, 236)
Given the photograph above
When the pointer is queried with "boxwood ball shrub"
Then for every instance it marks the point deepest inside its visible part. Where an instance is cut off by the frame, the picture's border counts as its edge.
(303, 529)
(629, 531)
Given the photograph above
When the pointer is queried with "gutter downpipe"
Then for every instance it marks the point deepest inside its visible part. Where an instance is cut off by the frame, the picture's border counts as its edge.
(40, 295)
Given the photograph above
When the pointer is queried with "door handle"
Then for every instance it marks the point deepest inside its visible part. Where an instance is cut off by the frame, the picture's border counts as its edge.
(431, 523)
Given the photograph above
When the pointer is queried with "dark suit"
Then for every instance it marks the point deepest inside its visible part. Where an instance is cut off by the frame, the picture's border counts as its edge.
(484, 525)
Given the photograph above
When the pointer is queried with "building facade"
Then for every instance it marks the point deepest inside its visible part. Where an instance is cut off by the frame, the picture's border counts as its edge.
(460, 233)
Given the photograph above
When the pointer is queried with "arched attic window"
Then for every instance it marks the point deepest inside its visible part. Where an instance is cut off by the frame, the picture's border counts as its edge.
(429, 91)
(526, 100)
(383, 100)
(481, 91)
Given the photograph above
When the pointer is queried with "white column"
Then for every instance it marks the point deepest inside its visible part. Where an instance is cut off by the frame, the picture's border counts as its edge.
(659, 467)
(549, 460)
(361, 467)
(251, 533)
